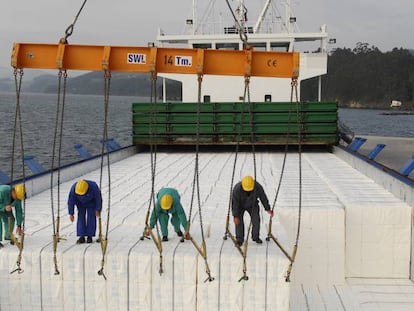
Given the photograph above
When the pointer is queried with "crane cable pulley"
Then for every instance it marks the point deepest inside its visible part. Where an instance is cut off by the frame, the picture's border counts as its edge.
(196, 186)
(18, 76)
(153, 154)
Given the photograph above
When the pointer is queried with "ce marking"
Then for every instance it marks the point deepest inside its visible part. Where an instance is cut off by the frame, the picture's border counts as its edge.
(272, 63)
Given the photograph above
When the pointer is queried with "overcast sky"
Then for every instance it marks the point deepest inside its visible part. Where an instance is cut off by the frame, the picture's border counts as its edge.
(384, 24)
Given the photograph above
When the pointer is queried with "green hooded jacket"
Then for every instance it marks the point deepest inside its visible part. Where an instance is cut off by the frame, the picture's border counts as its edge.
(6, 199)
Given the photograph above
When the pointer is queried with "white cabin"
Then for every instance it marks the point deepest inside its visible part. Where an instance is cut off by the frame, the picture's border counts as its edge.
(263, 35)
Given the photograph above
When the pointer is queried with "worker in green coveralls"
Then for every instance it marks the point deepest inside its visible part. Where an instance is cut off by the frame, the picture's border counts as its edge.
(11, 197)
(168, 202)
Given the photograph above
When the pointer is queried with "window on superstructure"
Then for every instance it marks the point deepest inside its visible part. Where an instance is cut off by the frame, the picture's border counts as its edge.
(227, 46)
(280, 46)
(259, 46)
(202, 45)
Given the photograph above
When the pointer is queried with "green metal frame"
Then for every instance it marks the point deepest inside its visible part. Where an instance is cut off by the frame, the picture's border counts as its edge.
(272, 122)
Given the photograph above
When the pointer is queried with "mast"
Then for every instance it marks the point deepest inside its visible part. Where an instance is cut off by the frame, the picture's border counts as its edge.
(288, 13)
(194, 16)
(262, 16)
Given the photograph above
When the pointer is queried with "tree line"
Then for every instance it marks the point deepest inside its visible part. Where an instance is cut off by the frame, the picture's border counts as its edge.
(365, 77)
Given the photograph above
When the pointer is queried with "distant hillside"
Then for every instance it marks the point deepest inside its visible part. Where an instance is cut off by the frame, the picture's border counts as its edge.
(29, 74)
(126, 84)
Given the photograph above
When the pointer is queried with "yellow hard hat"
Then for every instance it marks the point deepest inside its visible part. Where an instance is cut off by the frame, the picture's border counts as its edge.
(81, 187)
(20, 191)
(248, 183)
(166, 202)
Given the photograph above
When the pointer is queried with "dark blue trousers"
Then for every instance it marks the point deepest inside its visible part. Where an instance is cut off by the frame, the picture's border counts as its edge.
(86, 225)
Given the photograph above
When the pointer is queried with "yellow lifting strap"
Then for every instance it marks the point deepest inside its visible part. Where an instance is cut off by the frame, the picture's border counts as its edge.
(149, 59)
(155, 238)
(19, 245)
(202, 250)
(242, 249)
(104, 244)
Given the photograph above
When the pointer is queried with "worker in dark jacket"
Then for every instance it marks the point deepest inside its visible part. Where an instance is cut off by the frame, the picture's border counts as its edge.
(168, 202)
(245, 197)
(87, 197)
(11, 197)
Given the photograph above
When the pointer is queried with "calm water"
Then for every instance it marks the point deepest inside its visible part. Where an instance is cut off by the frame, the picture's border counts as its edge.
(83, 124)
(373, 122)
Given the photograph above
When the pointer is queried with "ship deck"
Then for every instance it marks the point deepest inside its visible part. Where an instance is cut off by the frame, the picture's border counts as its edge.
(354, 248)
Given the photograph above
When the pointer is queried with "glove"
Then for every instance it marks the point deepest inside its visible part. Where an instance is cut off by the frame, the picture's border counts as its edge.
(270, 212)
(187, 235)
(19, 230)
(236, 220)
(72, 218)
(147, 231)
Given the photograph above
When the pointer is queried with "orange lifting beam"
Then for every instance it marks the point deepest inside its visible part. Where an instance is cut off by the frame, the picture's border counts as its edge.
(154, 59)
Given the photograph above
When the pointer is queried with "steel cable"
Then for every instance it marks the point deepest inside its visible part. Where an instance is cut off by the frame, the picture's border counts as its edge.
(18, 125)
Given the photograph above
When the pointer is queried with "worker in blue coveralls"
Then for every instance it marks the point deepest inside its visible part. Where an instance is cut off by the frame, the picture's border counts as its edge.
(245, 197)
(168, 202)
(87, 197)
(11, 197)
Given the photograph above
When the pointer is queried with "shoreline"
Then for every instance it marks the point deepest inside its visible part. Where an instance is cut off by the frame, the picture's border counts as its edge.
(408, 106)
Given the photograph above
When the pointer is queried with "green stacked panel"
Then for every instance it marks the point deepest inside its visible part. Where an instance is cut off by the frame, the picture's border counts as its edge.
(311, 123)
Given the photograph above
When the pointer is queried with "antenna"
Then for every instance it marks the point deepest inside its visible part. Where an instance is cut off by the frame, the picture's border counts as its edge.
(194, 16)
